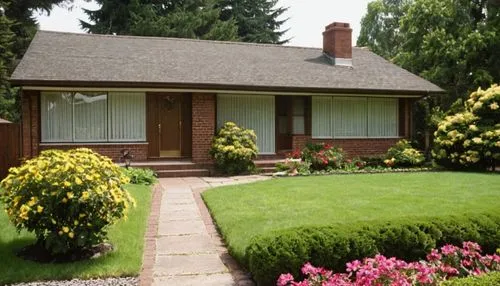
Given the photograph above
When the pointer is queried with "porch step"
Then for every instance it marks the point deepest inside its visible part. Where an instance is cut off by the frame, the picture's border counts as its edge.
(166, 165)
(183, 173)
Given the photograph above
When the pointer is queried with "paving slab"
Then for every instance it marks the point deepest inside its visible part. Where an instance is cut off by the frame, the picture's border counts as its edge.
(170, 196)
(182, 214)
(172, 201)
(181, 227)
(187, 207)
(196, 280)
(188, 265)
(191, 244)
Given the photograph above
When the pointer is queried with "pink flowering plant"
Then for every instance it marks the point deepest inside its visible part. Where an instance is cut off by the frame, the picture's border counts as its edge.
(441, 264)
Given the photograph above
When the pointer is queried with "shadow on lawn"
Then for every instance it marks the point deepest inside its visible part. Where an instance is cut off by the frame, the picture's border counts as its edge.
(16, 269)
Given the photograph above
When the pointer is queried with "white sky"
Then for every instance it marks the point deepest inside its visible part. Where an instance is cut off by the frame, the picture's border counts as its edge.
(306, 23)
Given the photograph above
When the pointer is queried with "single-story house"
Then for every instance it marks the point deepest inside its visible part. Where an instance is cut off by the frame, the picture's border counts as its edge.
(165, 97)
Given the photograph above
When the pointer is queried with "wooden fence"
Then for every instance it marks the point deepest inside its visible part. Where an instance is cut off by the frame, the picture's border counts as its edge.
(10, 147)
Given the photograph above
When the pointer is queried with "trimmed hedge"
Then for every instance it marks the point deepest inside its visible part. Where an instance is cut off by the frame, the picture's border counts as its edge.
(333, 246)
(489, 279)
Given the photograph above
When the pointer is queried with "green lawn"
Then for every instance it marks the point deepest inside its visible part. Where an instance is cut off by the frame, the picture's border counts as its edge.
(126, 236)
(243, 211)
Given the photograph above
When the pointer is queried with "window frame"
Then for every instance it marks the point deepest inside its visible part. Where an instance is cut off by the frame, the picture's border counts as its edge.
(107, 119)
(367, 114)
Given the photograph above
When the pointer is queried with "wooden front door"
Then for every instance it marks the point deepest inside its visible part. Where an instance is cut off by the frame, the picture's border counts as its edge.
(169, 125)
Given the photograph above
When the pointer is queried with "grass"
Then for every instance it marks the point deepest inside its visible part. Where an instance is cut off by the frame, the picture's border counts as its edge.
(126, 236)
(244, 211)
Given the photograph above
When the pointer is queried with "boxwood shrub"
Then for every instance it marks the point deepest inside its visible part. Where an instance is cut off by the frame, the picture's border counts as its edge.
(489, 279)
(285, 251)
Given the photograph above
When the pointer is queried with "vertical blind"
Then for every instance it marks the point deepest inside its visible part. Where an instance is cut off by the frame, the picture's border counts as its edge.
(255, 112)
(93, 116)
(354, 117)
(127, 118)
(57, 113)
(90, 121)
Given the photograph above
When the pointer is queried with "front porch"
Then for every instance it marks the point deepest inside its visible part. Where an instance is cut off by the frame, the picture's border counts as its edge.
(187, 168)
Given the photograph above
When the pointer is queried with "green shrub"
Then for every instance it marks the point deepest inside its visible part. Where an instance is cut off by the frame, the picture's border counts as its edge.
(471, 139)
(402, 154)
(488, 279)
(233, 149)
(287, 250)
(140, 176)
(67, 198)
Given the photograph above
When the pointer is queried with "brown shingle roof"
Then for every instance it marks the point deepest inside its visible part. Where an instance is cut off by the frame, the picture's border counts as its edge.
(65, 57)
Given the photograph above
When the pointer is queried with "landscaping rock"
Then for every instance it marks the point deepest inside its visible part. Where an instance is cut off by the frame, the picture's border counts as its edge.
(123, 281)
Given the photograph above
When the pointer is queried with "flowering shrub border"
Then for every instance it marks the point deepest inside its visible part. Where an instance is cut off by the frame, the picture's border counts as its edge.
(440, 265)
(272, 254)
(325, 159)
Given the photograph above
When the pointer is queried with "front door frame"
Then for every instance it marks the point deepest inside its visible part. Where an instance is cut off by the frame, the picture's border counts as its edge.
(154, 128)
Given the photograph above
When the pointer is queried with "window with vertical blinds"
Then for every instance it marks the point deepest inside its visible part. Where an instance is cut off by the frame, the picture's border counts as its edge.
(354, 117)
(256, 112)
(93, 116)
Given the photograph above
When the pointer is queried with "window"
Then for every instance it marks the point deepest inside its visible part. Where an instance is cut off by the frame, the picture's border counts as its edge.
(298, 115)
(354, 117)
(93, 116)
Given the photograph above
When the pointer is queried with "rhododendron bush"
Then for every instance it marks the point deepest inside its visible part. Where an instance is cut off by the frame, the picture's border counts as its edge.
(441, 264)
(471, 139)
(67, 198)
(234, 149)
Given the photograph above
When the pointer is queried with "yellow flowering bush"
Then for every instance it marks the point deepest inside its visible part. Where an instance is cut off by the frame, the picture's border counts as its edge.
(234, 148)
(471, 139)
(67, 198)
(402, 154)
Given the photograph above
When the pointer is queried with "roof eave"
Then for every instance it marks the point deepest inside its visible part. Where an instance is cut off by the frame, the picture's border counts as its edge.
(205, 86)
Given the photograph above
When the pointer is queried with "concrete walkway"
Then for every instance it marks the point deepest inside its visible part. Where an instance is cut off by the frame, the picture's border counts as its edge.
(188, 248)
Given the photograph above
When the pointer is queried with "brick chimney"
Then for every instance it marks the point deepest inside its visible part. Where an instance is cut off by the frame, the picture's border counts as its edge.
(337, 43)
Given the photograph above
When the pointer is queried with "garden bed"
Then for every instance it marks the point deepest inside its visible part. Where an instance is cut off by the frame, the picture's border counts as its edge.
(246, 212)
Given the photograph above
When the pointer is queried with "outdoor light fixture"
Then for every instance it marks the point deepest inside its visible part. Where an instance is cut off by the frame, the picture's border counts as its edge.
(126, 157)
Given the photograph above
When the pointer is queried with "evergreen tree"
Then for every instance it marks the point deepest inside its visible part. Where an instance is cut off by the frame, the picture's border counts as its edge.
(17, 27)
(7, 39)
(257, 20)
(181, 18)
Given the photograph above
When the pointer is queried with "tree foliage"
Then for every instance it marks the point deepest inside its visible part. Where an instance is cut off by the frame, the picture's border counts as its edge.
(181, 19)
(380, 27)
(251, 21)
(452, 43)
(17, 28)
(257, 20)
(7, 40)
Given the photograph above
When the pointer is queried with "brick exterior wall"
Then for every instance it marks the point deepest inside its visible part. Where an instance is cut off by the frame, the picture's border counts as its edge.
(204, 112)
(352, 147)
(138, 150)
(300, 141)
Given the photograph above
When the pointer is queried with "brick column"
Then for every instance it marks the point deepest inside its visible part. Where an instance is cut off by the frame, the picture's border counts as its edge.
(203, 126)
(30, 122)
